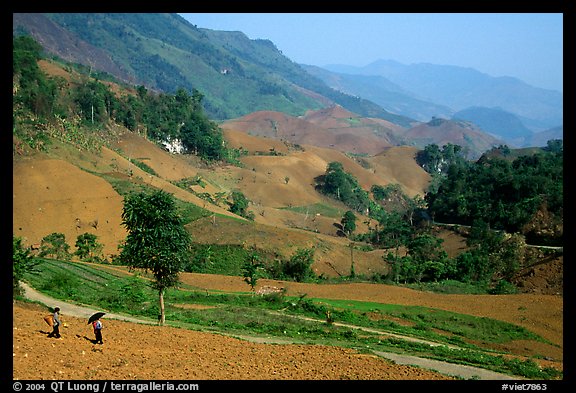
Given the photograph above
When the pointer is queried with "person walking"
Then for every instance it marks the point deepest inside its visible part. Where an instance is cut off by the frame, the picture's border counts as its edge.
(55, 323)
(97, 325)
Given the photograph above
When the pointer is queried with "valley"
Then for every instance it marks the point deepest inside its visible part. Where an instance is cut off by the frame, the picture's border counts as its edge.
(74, 180)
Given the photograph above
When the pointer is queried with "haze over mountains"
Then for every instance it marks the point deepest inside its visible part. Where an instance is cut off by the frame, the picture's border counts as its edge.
(459, 88)
(83, 140)
(239, 76)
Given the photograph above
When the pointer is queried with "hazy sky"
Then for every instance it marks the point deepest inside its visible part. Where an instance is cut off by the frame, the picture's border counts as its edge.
(528, 46)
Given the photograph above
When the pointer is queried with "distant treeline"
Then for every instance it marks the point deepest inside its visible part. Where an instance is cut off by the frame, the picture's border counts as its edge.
(503, 191)
(507, 201)
(162, 117)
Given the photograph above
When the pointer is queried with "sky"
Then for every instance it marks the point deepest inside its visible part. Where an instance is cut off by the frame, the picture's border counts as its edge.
(528, 46)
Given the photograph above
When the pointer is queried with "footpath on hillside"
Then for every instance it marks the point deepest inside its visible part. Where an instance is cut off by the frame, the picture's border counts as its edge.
(462, 371)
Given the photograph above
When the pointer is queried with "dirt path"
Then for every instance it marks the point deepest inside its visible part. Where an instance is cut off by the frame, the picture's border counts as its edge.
(73, 309)
(466, 372)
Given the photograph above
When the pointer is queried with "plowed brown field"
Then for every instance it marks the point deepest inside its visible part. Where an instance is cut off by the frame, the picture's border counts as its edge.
(136, 351)
(50, 193)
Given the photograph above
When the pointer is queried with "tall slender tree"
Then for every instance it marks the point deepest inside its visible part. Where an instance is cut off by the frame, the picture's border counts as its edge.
(157, 240)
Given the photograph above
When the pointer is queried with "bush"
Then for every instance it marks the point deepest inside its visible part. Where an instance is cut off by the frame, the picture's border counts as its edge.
(22, 262)
(54, 245)
(504, 287)
(298, 267)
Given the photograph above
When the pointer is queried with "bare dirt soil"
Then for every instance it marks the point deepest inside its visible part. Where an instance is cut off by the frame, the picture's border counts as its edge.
(140, 351)
(51, 191)
(134, 351)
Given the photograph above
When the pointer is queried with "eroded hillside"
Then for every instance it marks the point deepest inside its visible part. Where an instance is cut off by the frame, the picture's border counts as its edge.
(68, 189)
(53, 190)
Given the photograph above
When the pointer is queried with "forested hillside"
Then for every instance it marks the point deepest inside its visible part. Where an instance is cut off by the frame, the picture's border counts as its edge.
(507, 197)
(164, 52)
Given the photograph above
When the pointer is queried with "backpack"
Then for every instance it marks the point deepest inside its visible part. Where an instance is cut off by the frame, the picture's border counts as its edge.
(97, 325)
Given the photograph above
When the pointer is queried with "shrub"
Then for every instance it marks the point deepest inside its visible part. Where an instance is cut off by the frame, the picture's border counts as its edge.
(298, 267)
(22, 262)
(55, 245)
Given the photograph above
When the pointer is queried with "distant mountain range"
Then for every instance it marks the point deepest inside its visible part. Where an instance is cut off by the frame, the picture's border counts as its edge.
(383, 92)
(459, 88)
(238, 76)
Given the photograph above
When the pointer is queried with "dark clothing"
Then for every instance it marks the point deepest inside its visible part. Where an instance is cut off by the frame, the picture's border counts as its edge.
(56, 326)
(98, 331)
(98, 334)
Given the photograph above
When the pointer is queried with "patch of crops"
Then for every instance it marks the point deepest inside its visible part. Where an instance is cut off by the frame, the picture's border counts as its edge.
(417, 320)
(282, 316)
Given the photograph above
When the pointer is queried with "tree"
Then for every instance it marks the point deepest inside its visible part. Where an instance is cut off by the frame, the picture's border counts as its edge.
(87, 247)
(33, 89)
(428, 257)
(239, 205)
(55, 245)
(298, 267)
(555, 145)
(22, 262)
(250, 270)
(344, 187)
(430, 158)
(348, 222)
(157, 240)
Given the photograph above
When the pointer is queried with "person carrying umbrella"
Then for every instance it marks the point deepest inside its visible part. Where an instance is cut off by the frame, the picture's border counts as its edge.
(97, 325)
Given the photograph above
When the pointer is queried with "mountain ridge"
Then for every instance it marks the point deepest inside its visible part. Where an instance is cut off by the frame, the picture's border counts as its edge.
(461, 87)
(165, 51)
(235, 75)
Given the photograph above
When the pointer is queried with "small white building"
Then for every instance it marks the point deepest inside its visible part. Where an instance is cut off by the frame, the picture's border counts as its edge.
(174, 146)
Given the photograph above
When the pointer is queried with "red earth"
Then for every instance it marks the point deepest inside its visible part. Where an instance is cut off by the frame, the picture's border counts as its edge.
(63, 190)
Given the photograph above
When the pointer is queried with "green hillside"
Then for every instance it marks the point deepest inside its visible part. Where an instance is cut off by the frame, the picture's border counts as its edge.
(164, 52)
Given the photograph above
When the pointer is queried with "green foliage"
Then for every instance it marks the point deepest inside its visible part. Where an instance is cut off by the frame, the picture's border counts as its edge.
(88, 248)
(344, 187)
(317, 208)
(143, 166)
(90, 103)
(157, 240)
(504, 287)
(22, 263)
(472, 266)
(101, 288)
(226, 259)
(250, 270)
(425, 261)
(54, 245)
(94, 101)
(504, 194)
(392, 232)
(64, 285)
(348, 222)
(384, 192)
(202, 259)
(132, 292)
(239, 205)
(240, 314)
(435, 160)
(165, 52)
(298, 267)
(555, 146)
(33, 90)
